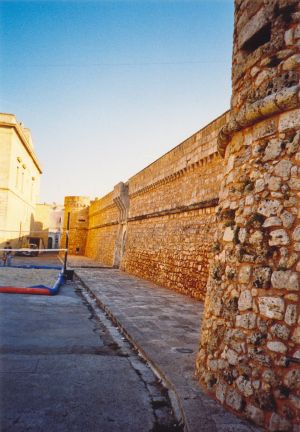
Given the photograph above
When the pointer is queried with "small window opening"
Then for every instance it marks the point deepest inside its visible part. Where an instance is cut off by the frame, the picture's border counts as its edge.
(261, 37)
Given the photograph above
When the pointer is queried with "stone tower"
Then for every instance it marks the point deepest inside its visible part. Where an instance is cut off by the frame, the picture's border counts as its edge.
(250, 344)
(78, 207)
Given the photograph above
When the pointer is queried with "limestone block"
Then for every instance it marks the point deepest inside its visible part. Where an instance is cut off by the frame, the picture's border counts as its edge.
(245, 301)
(291, 314)
(292, 62)
(293, 146)
(244, 274)
(272, 150)
(296, 233)
(228, 234)
(230, 164)
(294, 184)
(283, 169)
(285, 280)
(296, 335)
(279, 238)
(244, 386)
(277, 346)
(221, 392)
(287, 218)
(289, 120)
(234, 400)
(261, 277)
(269, 207)
(259, 185)
(232, 357)
(272, 221)
(271, 307)
(262, 76)
(288, 37)
(247, 320)
(292, 378)
(242, 235)
(274, 183)
(281, 331)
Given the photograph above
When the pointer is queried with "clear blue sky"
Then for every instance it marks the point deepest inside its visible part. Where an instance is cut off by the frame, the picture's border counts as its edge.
(107, 87)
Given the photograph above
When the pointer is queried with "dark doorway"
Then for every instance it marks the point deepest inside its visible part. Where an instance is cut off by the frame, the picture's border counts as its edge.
(50, 243)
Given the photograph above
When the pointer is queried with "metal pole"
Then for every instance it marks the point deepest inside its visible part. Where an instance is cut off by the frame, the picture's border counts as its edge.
(67, 244)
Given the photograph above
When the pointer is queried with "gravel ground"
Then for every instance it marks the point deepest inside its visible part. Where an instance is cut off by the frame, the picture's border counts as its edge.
(27, 277)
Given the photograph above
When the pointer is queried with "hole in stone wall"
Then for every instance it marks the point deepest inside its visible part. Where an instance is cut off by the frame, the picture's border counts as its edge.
(285, 12)
(274, 62)
(261, 37)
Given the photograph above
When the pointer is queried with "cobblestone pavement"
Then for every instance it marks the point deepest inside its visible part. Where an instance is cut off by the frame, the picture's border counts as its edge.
(19, 277)
(164, 326)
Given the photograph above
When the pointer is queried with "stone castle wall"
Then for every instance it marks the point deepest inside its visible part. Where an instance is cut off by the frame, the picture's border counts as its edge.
(250, 343)
(160, 224)
(103, 227)
(172, 212)
(192, 215)
(78, 208)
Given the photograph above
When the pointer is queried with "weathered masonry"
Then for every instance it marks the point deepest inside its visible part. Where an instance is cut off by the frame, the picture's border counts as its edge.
(160, 224)
(218, 217)
(250, 344)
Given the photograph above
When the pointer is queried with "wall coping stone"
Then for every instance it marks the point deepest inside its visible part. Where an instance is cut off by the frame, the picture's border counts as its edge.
(284, 100)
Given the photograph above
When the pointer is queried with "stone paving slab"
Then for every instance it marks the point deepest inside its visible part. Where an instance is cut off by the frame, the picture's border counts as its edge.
(18, 277)
(164, 326)
(75, 261)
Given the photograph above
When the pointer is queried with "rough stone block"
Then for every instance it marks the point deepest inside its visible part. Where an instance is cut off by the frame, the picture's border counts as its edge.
(279, 238)
(289, 120)
(269, 207)
(234, 400)
(247, 320)
(245, 301)
(285, 280)
(280, 331)
(244, 386)
(283, 169)
(291, 314)
(276, 346)
(271, 307)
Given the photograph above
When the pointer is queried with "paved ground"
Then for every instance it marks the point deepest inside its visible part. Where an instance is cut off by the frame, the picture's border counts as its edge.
(164, 326)
(75, 261)
(47, 342)
(64, 367)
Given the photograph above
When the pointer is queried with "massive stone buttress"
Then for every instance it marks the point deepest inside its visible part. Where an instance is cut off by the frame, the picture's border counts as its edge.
(250, 345)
